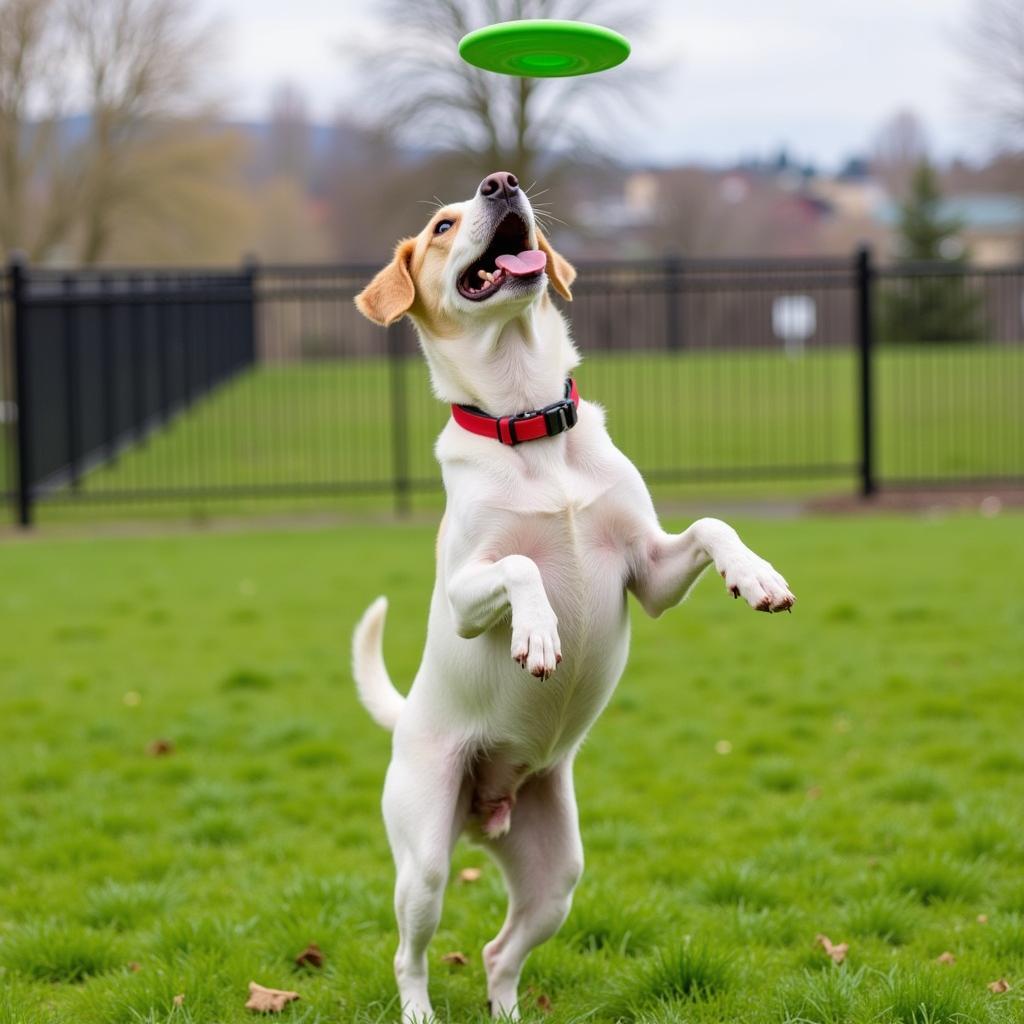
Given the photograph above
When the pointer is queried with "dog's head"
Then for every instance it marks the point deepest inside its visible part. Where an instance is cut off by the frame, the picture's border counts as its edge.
(482, 260)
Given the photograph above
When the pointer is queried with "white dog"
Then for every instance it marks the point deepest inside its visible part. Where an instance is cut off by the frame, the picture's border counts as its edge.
(548, 527)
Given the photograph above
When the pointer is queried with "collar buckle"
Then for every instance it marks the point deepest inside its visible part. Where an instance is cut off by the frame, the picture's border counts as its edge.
(559, 416)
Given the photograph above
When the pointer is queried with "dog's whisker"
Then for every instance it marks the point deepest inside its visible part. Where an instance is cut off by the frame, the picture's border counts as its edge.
(549, 217)
(436, 202)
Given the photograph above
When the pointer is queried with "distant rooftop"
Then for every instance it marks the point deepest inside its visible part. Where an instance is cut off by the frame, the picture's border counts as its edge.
(981, 211)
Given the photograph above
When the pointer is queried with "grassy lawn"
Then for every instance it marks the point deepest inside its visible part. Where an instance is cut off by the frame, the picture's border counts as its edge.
(853, 770)
(943, 411)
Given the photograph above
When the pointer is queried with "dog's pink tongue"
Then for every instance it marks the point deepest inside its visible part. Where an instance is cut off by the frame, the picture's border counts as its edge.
(530, 261)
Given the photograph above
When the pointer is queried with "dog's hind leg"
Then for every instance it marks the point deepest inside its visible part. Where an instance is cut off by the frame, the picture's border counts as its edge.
(542, 859)
(425, 805)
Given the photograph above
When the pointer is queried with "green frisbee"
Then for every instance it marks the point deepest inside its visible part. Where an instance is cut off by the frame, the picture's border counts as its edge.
(544, 48)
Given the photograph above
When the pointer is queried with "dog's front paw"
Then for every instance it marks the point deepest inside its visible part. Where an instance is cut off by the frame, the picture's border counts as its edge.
(757, 582)
(535, 643)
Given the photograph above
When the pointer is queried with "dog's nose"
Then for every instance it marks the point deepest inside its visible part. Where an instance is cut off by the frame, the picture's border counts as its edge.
(499, 184)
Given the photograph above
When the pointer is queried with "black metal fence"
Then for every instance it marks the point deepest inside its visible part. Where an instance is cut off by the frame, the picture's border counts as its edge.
(103, 359)
(122, 387)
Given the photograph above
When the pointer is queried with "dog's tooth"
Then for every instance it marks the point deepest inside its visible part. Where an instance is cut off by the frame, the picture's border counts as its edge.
(482, 273)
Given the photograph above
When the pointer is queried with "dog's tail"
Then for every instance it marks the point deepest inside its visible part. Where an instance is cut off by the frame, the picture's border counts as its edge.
(376, 690)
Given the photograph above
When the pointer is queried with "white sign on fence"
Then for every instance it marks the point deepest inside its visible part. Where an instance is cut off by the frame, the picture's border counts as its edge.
(794, 320)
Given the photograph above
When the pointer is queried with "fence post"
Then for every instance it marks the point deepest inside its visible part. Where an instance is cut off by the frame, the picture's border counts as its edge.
(138, 354)
(250, 342)
(399, 419)
(865, 344)
(673, 267)
(71, 382)
(163, 363)
(22, 401)
(108, 367)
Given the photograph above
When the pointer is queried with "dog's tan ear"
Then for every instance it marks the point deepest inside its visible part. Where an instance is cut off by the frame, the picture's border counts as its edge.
(389, 295)
(561, 272)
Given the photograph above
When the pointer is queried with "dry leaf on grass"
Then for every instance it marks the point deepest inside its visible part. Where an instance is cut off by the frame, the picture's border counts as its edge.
(134, 967)
(179, 999)
(946, 958)
(311, 956)
(837, 951)
(455, 958)
(160, 748)
(541, 999)
(268, 1000)
(470, 875)
(1000, 986)
(983, 919)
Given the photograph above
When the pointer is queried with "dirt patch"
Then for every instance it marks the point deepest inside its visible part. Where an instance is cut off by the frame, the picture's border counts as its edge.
(987, 501)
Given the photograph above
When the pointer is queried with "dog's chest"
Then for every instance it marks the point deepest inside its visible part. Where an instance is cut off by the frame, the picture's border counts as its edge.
(576, 541)
(583, 567)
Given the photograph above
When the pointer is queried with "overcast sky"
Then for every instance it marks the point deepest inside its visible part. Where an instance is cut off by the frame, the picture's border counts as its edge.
(746, 76)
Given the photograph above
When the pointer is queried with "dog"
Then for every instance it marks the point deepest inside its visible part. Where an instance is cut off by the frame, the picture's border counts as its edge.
(547, 529)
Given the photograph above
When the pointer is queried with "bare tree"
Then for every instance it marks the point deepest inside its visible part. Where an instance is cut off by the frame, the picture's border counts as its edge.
(138, 160)
(993, 46)
(142, 59)
(418, 86)
(900, 147)
(31, 52)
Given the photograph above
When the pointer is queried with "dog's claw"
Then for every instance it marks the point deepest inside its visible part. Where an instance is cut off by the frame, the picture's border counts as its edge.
(757, 582)
(538, 649)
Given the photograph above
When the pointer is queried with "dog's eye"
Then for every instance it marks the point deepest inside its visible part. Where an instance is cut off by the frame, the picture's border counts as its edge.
(442, 226)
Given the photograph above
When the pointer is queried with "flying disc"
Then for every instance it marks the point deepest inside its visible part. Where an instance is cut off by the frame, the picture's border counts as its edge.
(544, 48)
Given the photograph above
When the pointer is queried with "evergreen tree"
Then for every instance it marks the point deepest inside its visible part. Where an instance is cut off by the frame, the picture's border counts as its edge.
(924, 307)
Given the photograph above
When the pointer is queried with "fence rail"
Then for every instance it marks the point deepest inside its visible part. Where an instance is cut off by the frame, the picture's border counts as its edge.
(121, 386)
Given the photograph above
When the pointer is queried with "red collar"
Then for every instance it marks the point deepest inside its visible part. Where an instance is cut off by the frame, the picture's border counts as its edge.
(524, 426)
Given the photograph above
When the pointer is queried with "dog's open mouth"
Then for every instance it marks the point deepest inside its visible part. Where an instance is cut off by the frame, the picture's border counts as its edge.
(508, 257)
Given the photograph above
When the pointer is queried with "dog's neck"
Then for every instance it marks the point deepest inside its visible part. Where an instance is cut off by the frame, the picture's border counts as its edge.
(504, 367)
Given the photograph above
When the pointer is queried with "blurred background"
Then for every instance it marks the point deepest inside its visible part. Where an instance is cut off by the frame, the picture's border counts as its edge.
(192, 191)
(199, 131)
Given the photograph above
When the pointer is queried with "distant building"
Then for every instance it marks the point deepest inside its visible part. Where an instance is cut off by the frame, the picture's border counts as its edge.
(993, 224)
(850, 197)
(776, 207)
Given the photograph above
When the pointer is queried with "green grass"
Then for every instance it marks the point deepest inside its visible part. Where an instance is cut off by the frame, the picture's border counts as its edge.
(943, 412)
(872, 788)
